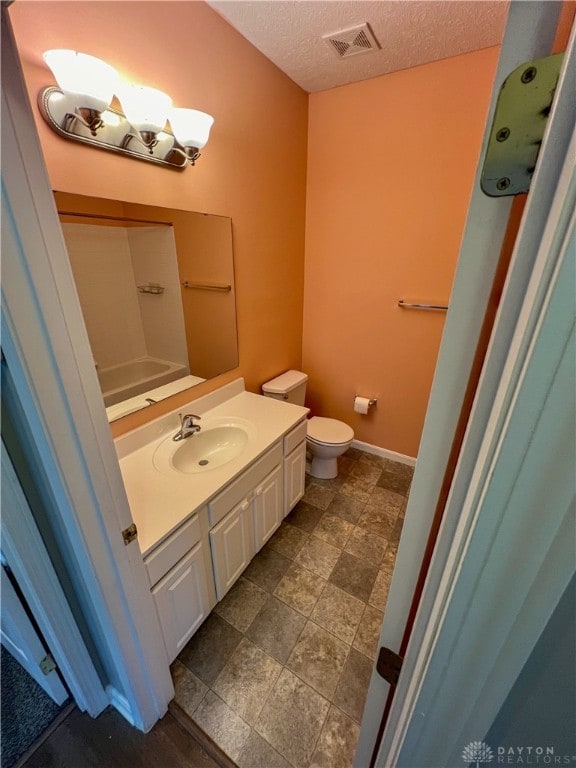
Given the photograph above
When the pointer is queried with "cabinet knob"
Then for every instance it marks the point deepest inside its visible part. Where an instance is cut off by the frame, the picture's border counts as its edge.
(244, 506)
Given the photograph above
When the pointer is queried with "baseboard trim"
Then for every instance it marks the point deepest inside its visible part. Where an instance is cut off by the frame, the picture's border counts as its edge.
(384, 453)
(207, 744)
(120, 704)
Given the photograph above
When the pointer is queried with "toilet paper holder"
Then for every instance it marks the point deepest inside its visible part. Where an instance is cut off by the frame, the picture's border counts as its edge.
(373, 401)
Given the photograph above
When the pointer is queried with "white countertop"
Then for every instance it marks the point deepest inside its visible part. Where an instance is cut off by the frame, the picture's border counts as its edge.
(161, 501)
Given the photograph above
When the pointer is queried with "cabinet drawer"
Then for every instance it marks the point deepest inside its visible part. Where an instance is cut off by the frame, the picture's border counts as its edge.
(293, 438)
(238, 490)
(165, 557)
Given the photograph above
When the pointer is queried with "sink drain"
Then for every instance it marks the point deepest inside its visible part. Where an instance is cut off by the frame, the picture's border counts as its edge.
(203, 462)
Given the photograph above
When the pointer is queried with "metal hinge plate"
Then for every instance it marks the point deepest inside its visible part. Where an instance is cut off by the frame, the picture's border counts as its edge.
(47, 665)
(521, 114)
(130, 533)
(388, 665)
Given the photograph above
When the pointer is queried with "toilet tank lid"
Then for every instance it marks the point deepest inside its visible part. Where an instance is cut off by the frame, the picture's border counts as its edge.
(285, 382)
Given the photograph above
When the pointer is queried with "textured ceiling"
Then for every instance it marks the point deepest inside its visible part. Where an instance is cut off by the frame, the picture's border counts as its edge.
(410, 32)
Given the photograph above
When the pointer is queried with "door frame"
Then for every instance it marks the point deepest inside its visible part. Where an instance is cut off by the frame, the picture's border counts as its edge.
(513, 552)
(39, 584)
(63, 420)
(529, 34)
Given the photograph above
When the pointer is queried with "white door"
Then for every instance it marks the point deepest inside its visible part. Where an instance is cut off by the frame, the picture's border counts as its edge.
(21, 639)
(529, 34)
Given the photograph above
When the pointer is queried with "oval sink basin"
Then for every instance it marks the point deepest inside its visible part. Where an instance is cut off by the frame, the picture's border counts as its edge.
(210, 448)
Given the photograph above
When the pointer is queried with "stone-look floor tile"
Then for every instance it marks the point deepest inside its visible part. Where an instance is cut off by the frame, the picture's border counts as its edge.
(345, 464)
(304, 516)
(246, 680)
(332, 483)
(318, 556)
(318, 496)
(292, 719)
(394, 482)
(354, 454)
(288, 540)
(318, 658)
(379, 595)
(368, 634)
(210, 648)
(367, 546)
(267, 568)
(397, 532)
(189, 690)
(378, 521)
(334, 530)
(242, 603)
(222, 724)
(399, 469)
(368, 473)
(338, 612)
(276, 629)
(337, 743)
(357, 488)
(346, 507)
(382, 498)
(352, 688)
(300, 589)
(371, 458)
(389, 558)
(354, 576)
(257, 753)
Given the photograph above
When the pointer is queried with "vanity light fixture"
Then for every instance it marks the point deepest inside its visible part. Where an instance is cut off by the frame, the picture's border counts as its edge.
(79, 109)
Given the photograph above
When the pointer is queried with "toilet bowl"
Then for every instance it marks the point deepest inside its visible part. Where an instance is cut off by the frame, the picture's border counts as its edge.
(327, 439)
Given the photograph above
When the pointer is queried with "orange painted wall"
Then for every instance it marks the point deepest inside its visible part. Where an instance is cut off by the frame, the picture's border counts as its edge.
(253, 169)
(390, 170)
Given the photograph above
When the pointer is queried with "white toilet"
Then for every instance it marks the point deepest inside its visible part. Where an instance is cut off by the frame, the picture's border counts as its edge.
(326, 438)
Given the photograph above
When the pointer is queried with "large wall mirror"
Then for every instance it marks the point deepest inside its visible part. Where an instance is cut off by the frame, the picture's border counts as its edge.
(157, 291)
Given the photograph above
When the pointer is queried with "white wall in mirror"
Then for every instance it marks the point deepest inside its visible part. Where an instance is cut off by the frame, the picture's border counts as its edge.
(151, 335)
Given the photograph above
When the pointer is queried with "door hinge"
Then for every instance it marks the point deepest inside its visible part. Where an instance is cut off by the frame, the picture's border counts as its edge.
(47, 664)
(130, 533)
(520, 117)
(388, 665)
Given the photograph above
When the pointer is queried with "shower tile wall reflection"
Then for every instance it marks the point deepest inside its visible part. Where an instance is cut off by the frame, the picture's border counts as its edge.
(278, 674)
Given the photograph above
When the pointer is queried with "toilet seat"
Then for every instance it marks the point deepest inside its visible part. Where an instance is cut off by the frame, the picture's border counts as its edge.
(328, 431)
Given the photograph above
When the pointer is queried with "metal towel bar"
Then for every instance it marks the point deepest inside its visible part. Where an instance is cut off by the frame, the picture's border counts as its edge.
(207, 286)
(407, 305)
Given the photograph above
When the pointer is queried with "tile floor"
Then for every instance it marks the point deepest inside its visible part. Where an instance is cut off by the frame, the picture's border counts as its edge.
(278, 673)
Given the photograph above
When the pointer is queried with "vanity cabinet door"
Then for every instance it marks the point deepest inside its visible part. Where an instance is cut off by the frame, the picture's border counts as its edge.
(232, 546)
(268, 507)
(182, 600)
(294, 476)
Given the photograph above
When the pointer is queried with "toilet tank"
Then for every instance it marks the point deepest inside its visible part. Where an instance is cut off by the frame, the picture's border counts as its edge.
(289, 386)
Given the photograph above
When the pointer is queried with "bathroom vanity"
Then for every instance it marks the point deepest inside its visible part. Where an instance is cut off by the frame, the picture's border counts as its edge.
(205, 505)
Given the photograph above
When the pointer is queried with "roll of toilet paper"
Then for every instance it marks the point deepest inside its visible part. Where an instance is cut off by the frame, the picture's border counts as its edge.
(361, 404)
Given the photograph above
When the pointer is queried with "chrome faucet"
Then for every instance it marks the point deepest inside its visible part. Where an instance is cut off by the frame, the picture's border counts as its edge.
(187, 426)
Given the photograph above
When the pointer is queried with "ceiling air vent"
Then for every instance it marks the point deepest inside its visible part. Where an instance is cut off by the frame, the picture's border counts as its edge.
(352, 41)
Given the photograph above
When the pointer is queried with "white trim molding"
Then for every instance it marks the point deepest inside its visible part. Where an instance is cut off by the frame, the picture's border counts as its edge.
(510, 524)
(375, 450)
(40, 586)
(63, 422)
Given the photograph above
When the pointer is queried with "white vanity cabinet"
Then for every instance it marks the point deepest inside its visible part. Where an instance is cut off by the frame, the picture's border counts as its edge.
(179, 571)
(294, 466)
(199, 530)
(244, 516)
